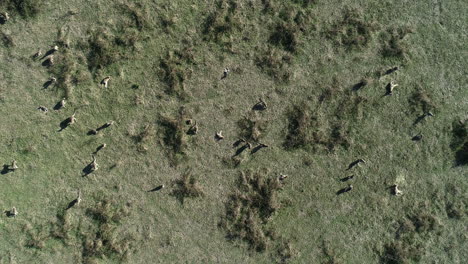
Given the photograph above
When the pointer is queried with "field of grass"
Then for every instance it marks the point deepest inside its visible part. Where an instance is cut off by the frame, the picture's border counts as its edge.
(320, 66)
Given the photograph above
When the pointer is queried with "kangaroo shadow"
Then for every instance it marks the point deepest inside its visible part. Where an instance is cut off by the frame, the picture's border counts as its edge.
(237, 143)
(156, 188)
(346, 178)
(359, 85)
(92, 132)
(258, 107)
(419, 119)
(47, 84)
(88, 169)
(71, 204)
(103, 127)
(392, 70)
(256, 149)
(240, 150)
(6, 169)
(48, 53)
(353, 164)
(344, 190)
(64, 124)
(2, 21)
(47, 63)
(58, 105)
(8, 213)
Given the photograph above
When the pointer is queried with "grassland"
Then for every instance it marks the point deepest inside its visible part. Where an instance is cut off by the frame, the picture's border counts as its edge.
(320, 67)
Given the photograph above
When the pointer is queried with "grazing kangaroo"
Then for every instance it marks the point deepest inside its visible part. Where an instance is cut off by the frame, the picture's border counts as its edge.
(396, 191)
(193, 130)
(105, 81)
(75, 202)
(13, 212)
(219, 135)
(390, 87)
(225, 73)
(13, 166)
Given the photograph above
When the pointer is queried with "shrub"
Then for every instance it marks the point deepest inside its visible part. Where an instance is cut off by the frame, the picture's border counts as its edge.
(174, 137)
(102, 50)
(275, 63)
(352, 31)
(250, 207)
(421, 100)
(187, 187)
(285, 35)
(137, 15)
(222, 22)
(399, 252)
(252, 127)
(307, 132)
(392, 42)
(25, 8)
(460, 142)
(105, 241)
(175, 70)
(6, 39)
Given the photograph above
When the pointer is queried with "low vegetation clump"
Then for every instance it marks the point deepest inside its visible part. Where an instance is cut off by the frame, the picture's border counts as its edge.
(104, 240)
(352, 31)
(136, 15)
(456, 202)
(222, 22)
(65, 72)
(275, 63)
(460, 142)
(174, 137)
(393, 44)
(36, 237)
(307, 131)
(285, 35)
(175, 70)
(97, 232)
(250, 207)
(25, 8)
(62, 226)
(252, 127)
(187, 187)
(102, 50)
(421, 102)
(6, 39)
(409, 245)
(286, 251)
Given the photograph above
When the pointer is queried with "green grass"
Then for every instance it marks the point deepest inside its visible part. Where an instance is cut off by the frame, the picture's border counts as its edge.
(165, 59)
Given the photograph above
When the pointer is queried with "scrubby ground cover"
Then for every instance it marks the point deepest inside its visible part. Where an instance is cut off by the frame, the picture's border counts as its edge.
(321, 67)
